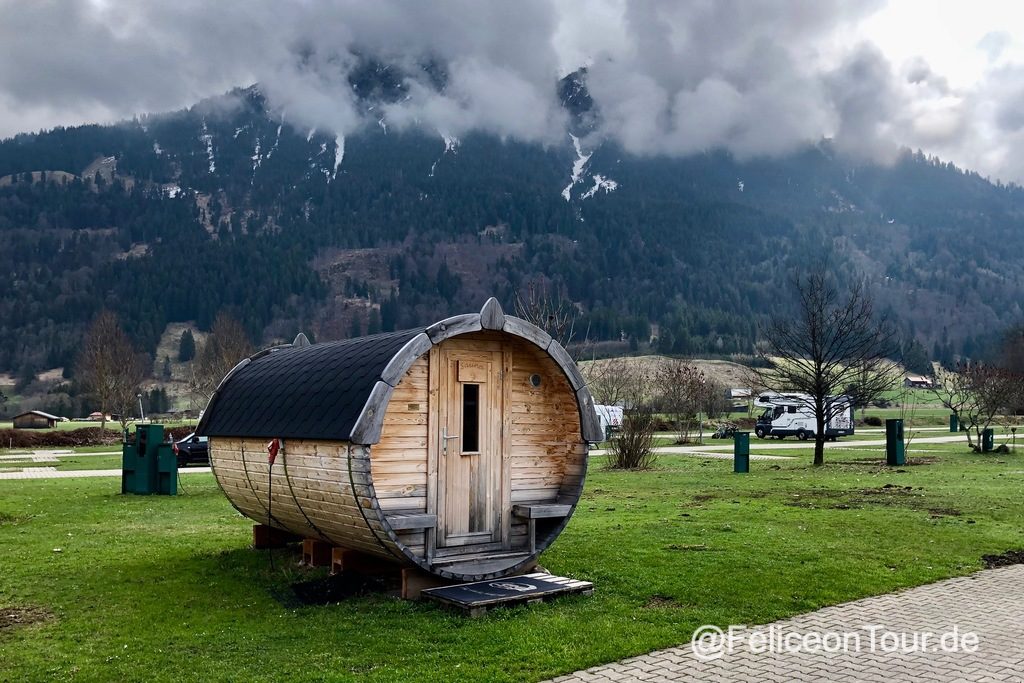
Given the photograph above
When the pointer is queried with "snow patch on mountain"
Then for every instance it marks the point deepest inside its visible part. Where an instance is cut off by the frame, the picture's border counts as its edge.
(310, 134)
(277, 139)
(577, 167)
(339, 154)
(600, 183)
(257, 159)
(208, 140)
(451, 145)
(157, 149)
(383, 125)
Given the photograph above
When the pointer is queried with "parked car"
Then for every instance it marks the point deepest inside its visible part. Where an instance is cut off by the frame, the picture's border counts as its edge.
(192, 449)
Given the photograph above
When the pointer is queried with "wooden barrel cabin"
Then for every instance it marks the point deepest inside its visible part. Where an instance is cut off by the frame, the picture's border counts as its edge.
(459, 448)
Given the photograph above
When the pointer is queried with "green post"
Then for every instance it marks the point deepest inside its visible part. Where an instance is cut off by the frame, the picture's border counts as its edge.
(894, 448)
(988, 440)
(954, 424)
(741, 452)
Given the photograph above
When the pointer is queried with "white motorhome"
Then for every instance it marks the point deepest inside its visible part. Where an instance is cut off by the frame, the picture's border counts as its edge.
(793, 415)
(610, 418)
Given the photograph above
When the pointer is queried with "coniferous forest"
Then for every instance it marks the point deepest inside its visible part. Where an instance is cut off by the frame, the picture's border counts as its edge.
(228, 207)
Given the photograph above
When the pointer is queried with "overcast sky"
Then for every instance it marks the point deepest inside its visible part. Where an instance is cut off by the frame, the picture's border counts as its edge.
(758, 77)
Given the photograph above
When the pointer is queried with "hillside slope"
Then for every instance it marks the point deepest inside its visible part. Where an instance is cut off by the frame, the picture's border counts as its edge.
(227, 206)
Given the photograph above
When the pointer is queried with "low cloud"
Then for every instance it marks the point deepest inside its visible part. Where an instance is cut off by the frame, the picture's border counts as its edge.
(668, 78)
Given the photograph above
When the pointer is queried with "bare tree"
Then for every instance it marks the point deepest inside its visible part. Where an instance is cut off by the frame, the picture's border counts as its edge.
(611, 381)
(225, 346)
(682, 393)
(127, 386)
(976, 394)
(552, 313)
(834, 345)
(108, 367)
(713, 402)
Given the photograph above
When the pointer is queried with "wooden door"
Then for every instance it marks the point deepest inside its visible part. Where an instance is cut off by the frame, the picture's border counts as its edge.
(471, 478)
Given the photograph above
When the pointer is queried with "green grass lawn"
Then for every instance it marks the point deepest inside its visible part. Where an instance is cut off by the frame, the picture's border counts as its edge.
(85, 462)
(164, 588)
(114, 427)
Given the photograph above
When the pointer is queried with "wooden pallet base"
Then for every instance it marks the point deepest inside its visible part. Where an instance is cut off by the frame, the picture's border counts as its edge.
(348, 560)
(477, 598)
(316, 553)
(264, 537)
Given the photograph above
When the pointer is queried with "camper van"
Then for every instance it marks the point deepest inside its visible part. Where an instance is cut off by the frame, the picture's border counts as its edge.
(610, 418)
(793, 415)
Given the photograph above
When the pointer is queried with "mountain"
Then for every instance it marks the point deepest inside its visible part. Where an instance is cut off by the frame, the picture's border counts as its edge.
(229, 205)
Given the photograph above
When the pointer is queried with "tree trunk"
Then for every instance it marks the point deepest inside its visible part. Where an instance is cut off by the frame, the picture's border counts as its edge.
(819, 439)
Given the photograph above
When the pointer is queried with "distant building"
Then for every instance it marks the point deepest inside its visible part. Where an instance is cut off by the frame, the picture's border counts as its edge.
(35, 419)
(738, 400)
(912, 381)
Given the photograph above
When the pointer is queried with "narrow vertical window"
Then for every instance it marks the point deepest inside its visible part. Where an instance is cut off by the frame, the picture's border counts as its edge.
(470, 418)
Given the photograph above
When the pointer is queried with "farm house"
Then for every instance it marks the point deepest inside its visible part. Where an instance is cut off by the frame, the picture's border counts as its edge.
(459, 449)
(35, 419)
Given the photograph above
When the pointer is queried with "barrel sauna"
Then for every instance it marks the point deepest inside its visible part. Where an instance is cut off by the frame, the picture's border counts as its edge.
(459, 448)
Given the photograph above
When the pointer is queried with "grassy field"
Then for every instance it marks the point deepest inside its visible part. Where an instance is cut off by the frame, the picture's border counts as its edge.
(148, 588)
(114, 427)
(83, 462)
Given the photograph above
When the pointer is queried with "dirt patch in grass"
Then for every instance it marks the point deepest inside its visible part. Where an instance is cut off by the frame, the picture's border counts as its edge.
(12, 519)
(889, 495)
(13, 617)
(681, 547)
(1006, 559)
(945, 512)
(657, 601)
(880, 462)
(887, 490)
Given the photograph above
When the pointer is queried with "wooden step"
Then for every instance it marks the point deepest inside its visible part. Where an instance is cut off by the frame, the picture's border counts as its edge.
(474, 599)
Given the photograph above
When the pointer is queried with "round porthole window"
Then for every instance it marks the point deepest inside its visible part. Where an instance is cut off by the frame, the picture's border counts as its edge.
(535, 380)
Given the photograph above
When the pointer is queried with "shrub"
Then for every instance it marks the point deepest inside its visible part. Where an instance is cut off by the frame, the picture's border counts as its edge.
(873, 421)
(28, 438)
(632, 448)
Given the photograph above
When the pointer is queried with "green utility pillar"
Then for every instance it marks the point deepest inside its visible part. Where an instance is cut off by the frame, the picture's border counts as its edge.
(148, 464)
(988, 440)
(954, 424)
(894, 446)
(741, 452)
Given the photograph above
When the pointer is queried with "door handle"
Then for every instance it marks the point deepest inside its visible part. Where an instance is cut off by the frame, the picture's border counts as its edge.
(445, 439)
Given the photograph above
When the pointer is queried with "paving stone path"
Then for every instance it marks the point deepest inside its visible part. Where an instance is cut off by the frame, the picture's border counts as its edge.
(989, 604)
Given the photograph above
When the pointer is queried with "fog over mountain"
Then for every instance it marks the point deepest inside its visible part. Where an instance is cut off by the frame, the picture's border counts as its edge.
(749, 76)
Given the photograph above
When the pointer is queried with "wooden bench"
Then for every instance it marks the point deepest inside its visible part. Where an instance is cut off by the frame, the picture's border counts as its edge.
(405, 522)
(531, 513)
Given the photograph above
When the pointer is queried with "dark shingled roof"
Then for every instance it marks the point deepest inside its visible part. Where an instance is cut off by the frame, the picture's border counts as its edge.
(302, 392)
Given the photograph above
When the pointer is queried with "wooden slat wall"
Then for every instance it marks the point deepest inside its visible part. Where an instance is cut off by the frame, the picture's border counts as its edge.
(546, 452)
(398, 462)
(548, 455)
(311, 489)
